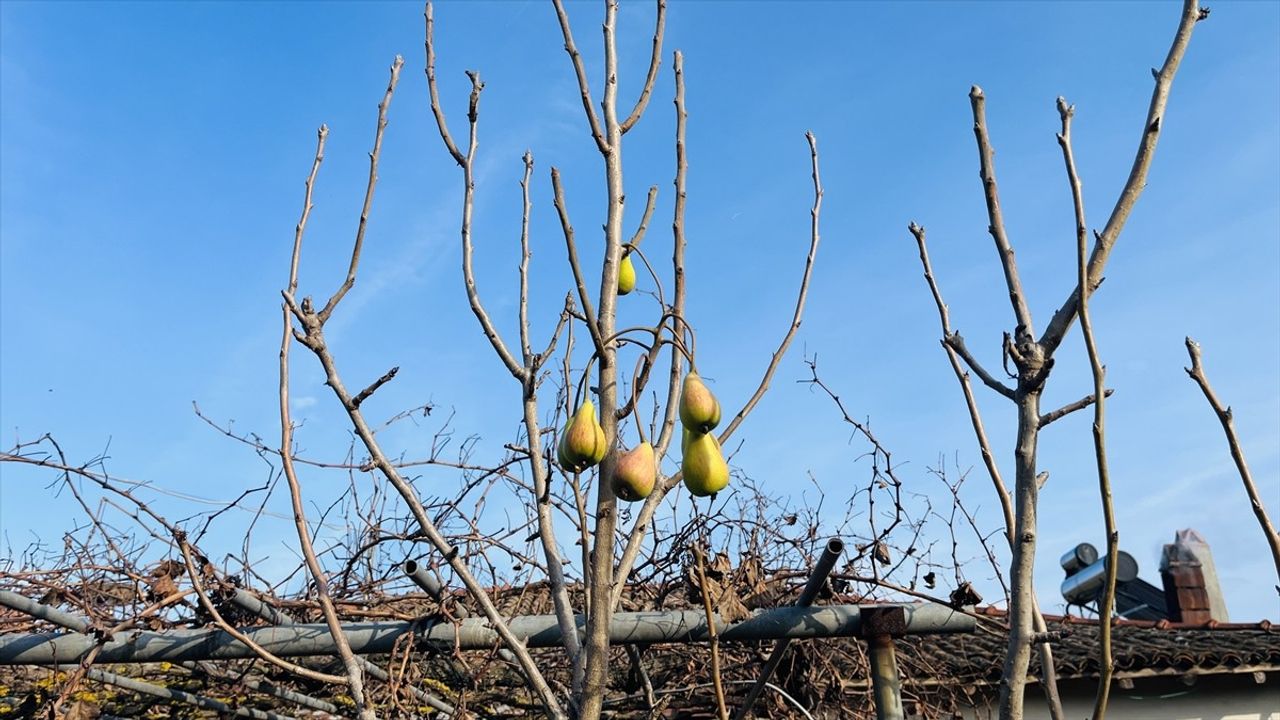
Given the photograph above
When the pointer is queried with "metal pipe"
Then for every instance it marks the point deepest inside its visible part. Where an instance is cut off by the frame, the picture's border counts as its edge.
(886, 686)
(471, 634)
(249, 602)
(147, 688)
(24, 604)
(208, 670)
(817, 579)
(81, 624)
(252, 603)
(423, 579)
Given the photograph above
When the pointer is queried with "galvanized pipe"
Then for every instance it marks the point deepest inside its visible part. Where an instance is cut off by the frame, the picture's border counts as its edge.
(249, 602)
(147, 688)
(817, 579)
(886, 686)
(24, 604)
(208, 670)
(471, 634)
(78, 623)
(423, 579)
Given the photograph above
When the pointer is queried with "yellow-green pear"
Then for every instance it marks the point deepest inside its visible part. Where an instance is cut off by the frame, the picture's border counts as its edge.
(560, 449)
(582, 444)
(699, 409)
(626, 275)
(602, 445)
(686, 437)
(703, 465)
(636, 473)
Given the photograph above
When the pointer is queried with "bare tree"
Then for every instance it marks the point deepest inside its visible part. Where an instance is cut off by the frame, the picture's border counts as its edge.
(1033, 357)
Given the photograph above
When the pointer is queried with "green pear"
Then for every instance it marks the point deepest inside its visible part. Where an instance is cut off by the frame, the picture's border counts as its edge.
(636, 473)
(699, 409)
(686, 437)
(582, 444)
(626, 275)
(705, 471)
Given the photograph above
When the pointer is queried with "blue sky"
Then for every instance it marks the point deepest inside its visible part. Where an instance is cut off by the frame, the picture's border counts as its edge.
(151, 167)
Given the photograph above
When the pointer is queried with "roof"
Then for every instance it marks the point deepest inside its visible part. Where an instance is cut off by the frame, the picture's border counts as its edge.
(1139, 649)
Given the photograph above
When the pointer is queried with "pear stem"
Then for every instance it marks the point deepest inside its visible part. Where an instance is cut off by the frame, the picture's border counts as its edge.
(581, 391)
(629, 250)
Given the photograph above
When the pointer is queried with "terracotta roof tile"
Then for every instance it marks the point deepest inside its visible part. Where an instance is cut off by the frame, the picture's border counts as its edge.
(1138, 647)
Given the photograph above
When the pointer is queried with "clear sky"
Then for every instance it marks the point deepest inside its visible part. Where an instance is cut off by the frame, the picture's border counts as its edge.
(151, 166)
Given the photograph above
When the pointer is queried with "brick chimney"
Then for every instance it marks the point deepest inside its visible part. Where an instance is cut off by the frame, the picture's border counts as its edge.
(1191, 588)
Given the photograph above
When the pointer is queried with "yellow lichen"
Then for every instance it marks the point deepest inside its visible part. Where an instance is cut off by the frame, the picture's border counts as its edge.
(438, 687)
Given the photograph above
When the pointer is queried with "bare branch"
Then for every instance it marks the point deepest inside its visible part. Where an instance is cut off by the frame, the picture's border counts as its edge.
(667, 431)
(801, 296)
(526, 346)
(986, 157)
(587, 104)
(301, 228)
(468, 205)
(355, 676)
(975, 417)
(634, 541)
(373, 387)
(565, 314)
(712, 638)
(314, 340)
(1106, 664)
(436, 108)
(634, 243)
(1137, 182)
(588, 311)
(655, 61)
(955, 341)
(194, 573)
(1196, 371)
(368, 193)
(1071, 407)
